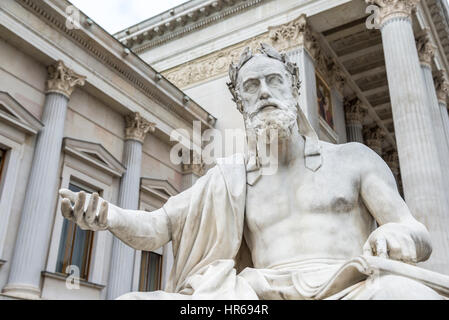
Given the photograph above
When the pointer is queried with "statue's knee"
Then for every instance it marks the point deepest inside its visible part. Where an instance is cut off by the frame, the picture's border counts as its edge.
(392, 287)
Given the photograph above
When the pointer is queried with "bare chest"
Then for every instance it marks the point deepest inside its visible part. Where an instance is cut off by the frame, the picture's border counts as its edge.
(298, 193)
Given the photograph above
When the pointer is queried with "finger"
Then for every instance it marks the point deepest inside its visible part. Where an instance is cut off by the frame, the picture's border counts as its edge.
(381, 248)
(367, 251)
(92, 209)
(68, 194)
(103, 215)
(395, 249)
(78, 210)
(408, 249)
(66, 209)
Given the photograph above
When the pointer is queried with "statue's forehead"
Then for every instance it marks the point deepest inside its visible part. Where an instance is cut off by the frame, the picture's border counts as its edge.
(260, 65)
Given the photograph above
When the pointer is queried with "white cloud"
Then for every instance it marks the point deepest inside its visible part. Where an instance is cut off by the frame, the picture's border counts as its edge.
(116, 15)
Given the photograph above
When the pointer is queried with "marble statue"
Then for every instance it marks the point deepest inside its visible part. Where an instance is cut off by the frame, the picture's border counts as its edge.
(328, 224)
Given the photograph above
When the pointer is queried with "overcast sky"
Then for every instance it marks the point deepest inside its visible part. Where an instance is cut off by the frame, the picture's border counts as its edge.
(116, 15)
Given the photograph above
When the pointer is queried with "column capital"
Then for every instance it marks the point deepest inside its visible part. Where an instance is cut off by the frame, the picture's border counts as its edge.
(62, 80)
(441, 86)
(137, 127)
(194, 164)
(391, 9)
(426, 50)
(294, 34)
(338, 78)
(354, 111)
(373, 138)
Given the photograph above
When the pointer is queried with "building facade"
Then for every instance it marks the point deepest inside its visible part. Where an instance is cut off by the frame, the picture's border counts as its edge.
(85, 110)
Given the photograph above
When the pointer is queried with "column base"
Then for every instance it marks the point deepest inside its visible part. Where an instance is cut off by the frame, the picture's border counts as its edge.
(21, 291)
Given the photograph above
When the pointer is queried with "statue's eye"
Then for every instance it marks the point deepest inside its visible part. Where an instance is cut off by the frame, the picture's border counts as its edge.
(274, 80)
(251, 85)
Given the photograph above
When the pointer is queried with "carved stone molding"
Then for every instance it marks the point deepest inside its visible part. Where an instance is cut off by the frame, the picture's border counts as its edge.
(144, 36)
(293, 34)
(373, 138)
(211, 65)
(426, 50)
(137, 127)
(283, 37)
(63, 80)
(354, 111)
(393, 9)
(441, 86)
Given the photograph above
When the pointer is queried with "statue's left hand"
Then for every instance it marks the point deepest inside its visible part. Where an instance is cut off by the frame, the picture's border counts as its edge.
(394, 241)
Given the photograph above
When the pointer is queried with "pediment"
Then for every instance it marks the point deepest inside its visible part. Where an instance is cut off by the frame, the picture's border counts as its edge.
(159, 188)
(95, 154)
(14, 114)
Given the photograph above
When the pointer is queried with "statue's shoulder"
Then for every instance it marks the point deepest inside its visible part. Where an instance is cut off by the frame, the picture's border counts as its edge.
(351, 151)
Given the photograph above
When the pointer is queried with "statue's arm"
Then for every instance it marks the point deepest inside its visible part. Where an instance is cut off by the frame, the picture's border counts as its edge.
(140, 230)
(399, 236)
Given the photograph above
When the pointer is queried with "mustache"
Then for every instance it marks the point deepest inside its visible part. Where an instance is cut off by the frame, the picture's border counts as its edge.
(268, 103)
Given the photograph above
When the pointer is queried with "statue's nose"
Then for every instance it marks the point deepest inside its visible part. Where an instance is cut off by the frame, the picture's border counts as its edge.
(264, 92)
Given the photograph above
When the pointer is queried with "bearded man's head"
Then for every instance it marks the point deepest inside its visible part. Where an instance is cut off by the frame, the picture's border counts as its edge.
(265, 88)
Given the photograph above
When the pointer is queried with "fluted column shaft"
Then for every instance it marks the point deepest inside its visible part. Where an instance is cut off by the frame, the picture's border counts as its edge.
(34, 229)
(437, 124)
(354, 132)
(354, 114)
(420, 169)
(33, 235)
(445, 119)
(122, 259)
(442, 90)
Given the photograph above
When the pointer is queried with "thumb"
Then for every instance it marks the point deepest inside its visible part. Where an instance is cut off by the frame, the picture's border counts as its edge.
(68, 194)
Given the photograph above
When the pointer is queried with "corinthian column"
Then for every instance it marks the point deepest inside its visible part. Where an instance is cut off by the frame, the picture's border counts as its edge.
(354, 114)
(297, 40)
(420, 167)
(442, 89)
(426, 51)
(122, 260)
(31, 246)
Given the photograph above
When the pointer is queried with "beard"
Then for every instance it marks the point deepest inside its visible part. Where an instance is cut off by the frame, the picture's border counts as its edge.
(274, 122)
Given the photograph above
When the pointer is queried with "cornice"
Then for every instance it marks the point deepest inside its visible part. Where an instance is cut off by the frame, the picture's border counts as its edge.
(130, 67)
(148, 35)
(293, 34)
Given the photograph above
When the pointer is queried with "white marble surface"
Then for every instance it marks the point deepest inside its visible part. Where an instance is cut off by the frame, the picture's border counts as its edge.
(305, 231)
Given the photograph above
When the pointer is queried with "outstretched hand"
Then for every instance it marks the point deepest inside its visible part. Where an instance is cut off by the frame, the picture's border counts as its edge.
(89, 212)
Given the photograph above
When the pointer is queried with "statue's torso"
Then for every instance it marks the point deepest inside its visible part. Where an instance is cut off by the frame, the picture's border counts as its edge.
(298, 214)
